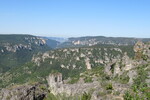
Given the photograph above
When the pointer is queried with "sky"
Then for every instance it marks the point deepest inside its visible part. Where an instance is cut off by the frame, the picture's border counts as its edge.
(75, 18)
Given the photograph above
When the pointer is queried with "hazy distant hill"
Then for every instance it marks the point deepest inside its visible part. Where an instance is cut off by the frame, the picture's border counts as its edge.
(53, 43)
(95, 40)
(59, 39)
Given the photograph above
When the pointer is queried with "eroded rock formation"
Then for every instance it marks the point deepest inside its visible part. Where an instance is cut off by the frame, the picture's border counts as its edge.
(57, 86)
(24, 92)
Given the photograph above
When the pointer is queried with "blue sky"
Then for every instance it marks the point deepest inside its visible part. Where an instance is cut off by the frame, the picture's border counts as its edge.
(74, 18)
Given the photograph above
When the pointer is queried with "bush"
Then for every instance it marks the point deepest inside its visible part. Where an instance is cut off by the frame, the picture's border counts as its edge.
(109, 86)
(51, 97)
(124, 79)
(88, 79)
(117, 93)
(139, 81)
(127, 96)
(101, 93)
(86, 96)
(73, 80)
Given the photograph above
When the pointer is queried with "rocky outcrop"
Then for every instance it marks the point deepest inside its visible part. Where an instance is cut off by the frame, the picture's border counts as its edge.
(128, 65)
(121, 66)
(57, 86)
(24, 92)
(87, 62)
(14, 48)
(142, 51)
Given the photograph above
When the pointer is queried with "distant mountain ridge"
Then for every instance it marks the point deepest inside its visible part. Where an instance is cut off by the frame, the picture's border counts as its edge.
(96, 40)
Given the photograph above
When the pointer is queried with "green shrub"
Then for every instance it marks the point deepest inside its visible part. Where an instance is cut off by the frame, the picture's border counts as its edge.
(109, 86)
(43, 87)
(128, 96)
(86, 96)
(145, 57)
(139, 81)
(124, 79)
(73, 80)
(51, 97)
(101, 93)
(113, 67)
(117, 93)
(88, 79)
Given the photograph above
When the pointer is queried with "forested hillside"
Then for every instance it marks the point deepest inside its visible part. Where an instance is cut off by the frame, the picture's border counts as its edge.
(15, 50)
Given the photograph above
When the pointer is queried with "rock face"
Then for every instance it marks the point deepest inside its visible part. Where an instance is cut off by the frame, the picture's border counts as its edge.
(139, 46)
(121, 66)
(127, 62)
(24, 92)
(57, 86)
(54, 80)
(14, 48)
(87, 62)
(128, 65)
(142, 51)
